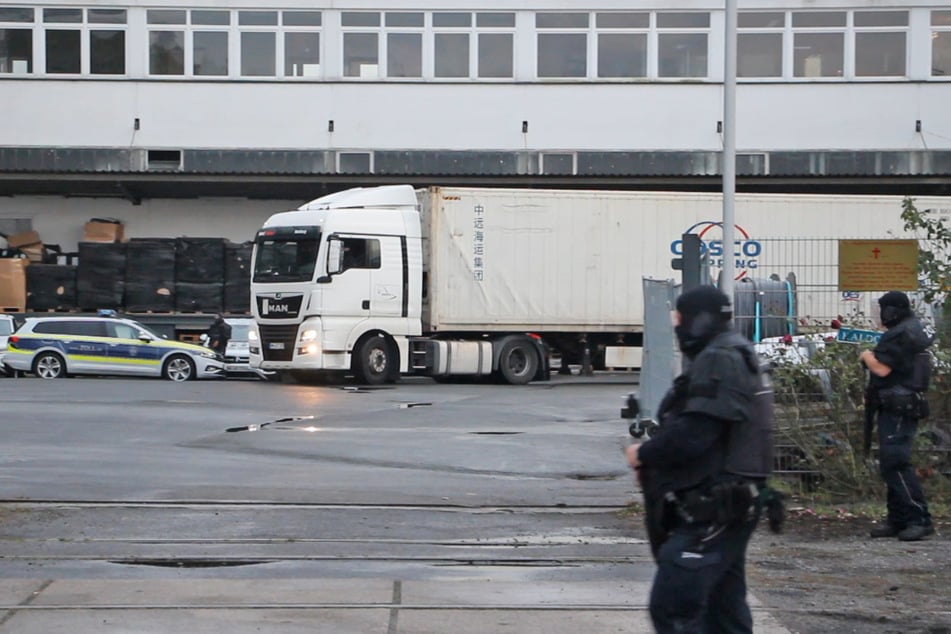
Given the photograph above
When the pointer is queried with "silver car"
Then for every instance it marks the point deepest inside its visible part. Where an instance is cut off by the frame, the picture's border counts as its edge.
(237, 355)
(53, 347)
(7, 326)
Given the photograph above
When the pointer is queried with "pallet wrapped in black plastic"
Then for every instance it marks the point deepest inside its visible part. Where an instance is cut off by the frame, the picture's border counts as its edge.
(206, 297)
(237, 298)
(150, 275)
(50, 287)
(200, 260)
(100, 275)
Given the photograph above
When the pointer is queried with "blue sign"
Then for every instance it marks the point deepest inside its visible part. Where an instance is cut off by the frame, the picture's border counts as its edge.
(854, 335)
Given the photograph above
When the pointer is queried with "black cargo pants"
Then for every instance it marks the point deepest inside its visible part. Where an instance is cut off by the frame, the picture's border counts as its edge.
(700, 585)
(905, 499)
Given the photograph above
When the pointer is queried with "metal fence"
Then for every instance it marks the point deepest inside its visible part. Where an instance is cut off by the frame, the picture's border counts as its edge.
(793, 288)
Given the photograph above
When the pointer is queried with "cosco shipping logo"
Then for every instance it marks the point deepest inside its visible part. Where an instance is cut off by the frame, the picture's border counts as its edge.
(746, 251)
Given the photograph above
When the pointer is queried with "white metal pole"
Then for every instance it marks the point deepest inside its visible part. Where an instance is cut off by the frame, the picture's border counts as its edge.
(729, 149)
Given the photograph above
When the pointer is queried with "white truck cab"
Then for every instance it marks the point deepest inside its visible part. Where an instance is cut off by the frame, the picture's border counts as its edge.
(337, 286)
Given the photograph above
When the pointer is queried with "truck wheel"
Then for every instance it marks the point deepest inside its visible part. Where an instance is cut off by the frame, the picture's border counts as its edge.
(49, 365)
(518, 361)
(178, 368)
(372, 360)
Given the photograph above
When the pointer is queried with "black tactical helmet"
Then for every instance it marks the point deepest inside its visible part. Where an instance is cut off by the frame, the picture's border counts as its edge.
(704, 313)
(895, 307)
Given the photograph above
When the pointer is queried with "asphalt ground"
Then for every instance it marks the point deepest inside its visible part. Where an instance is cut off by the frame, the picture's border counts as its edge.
(248, 506)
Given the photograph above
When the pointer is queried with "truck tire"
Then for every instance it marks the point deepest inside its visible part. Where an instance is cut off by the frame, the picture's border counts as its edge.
(372, 360)
(49, 365)
(518, 361)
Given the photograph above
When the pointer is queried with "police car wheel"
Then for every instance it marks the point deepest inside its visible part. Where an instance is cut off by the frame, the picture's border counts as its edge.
(49, 365)
(178, 368)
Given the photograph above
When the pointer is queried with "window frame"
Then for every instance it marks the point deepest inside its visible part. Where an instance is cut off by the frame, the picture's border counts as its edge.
(85, 27)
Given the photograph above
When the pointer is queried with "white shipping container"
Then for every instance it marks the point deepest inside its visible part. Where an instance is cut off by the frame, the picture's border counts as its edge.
(562, 260)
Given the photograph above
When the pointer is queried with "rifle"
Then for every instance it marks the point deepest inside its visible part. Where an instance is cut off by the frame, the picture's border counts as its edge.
(870, 404)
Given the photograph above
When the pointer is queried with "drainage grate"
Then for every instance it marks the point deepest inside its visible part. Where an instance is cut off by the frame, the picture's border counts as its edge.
(190, 563)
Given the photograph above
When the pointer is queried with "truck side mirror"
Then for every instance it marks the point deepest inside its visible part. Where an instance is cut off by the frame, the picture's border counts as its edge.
(334, 256)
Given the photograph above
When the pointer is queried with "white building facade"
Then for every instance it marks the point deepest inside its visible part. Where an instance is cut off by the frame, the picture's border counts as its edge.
(146, 103)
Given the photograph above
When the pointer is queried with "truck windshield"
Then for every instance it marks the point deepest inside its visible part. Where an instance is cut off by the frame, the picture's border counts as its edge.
(286, 258)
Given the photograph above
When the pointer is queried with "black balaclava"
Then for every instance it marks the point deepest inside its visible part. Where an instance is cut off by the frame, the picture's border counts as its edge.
(705, 312)
(895, 307)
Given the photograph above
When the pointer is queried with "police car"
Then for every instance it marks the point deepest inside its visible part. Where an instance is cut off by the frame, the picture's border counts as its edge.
(53, 347)
(7, 326)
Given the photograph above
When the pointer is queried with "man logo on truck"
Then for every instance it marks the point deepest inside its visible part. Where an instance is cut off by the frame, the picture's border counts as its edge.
(745, 250)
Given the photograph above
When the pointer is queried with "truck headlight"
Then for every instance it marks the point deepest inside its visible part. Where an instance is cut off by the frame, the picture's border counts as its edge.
(308, 335)
(309, 348)
(252, 335)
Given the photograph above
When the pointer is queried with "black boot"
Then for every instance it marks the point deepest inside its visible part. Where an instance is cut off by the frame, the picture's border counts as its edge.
(886, 530)
(916, 532)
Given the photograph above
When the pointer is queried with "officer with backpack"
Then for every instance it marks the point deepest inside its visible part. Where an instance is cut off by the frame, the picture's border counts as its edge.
(899, 367)
(704, 472)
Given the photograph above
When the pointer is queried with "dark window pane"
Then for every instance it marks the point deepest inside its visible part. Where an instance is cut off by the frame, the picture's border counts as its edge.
(682, 55)
(495, 55)
(561, 20)
(879, 54)
(562, 55)
(623, 20)
(361, 55)
(359, 18)
(167, 53)
(495, 20)
(562, 164)
(818, 18)
(302, 18)
(16, 51)
(881, 18)
(257, 18)
(106, 16)
(683, 20)
(760, 19)
(404, 19)
(818, 54)
(211, 53)
(622, 55)
(759, 55)
(301, 54)
(62, 51)
(941, 18)
(211, 17)
(258, 54)
(404, 55)
(354, 163)
(166, 16)
(70, 16)
(452, 54)
(107, 52)
(452, 19)
(16, 14)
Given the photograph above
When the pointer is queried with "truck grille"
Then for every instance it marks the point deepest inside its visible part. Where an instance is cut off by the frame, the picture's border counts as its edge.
(285, 336)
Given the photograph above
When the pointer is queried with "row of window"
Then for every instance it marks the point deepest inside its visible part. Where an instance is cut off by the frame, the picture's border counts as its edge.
(462, 45)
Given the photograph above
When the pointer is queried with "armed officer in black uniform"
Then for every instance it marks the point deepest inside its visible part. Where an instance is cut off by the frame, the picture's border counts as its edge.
(702, 472)
(898, 376)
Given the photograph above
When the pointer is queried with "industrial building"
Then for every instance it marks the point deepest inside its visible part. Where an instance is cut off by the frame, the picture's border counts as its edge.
(187, 118)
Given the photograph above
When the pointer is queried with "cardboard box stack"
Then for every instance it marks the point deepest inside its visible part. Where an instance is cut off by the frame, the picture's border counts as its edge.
(13, 284)
(103, 230)
(29, 244)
